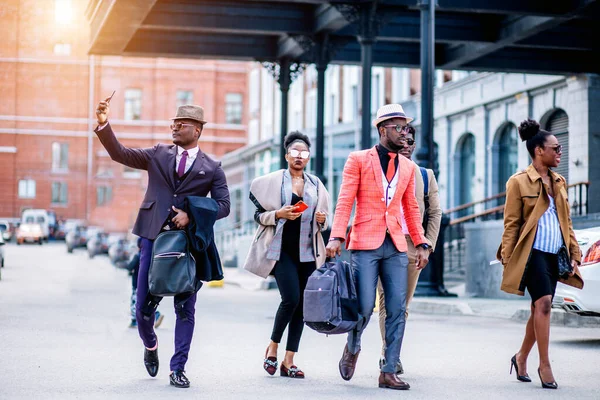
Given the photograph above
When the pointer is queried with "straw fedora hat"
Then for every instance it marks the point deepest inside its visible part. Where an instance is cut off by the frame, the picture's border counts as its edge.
(195, 113)
(390, 111)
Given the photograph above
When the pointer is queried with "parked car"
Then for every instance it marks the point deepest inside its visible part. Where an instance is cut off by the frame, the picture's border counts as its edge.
(64, 227)
(30, 233)
(6, 230)
(97, 243)
(1, 252)
(587, 300)
(121, 251)
(40, 217)
(77, 237)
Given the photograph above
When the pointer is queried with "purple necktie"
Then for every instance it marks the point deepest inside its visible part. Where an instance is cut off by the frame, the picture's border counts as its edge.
(181, 168)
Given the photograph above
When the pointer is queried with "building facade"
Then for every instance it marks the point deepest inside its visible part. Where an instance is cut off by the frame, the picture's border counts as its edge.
(475, 130)
(48, 153)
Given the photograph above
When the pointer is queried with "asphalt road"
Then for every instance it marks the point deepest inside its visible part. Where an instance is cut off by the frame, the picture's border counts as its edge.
(64, 334)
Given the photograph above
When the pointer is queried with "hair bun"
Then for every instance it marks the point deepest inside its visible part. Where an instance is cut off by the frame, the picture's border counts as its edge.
(528, 129)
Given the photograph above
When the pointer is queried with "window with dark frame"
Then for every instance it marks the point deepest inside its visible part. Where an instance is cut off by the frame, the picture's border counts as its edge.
(184, 97)
(233, 108)
(59, 193)
(60, 156)
(103, 195)
(27, 189)
(133, 105)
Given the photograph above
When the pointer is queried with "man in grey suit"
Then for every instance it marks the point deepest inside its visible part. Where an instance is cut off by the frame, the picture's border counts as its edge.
(432, 229)
(174, 172)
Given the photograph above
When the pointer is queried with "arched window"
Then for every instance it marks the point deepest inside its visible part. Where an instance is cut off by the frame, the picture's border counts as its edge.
(508, 155)
(465, 170)
(558, 124)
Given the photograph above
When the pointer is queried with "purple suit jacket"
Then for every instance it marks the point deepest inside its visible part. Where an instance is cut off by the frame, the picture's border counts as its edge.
(205, 176)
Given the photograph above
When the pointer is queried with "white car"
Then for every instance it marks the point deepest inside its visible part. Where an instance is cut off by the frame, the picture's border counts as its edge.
(587, 300)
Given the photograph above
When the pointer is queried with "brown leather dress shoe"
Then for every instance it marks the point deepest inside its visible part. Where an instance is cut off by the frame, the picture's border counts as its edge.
(348, 363)
(389, 380)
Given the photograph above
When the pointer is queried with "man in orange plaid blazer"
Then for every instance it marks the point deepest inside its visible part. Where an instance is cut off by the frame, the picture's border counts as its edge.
(380, 180)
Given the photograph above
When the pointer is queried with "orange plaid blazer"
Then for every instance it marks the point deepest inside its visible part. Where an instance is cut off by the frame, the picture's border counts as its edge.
(362, 181)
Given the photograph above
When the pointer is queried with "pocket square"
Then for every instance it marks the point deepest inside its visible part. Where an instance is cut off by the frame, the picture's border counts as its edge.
(201, 173)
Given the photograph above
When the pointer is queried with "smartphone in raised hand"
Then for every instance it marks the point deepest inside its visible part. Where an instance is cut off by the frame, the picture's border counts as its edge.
(300, 206)
(111, 96)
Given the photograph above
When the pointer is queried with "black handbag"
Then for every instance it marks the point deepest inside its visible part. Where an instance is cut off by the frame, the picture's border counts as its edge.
(565, 269)
(173, 267)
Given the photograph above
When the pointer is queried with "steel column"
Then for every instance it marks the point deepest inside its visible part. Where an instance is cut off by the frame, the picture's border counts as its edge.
(284, 87)
(366, 51)
(431, 282)
(320, 133)
(425, 152)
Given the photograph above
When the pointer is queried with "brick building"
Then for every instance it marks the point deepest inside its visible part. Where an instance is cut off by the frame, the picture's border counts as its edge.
(49, 156)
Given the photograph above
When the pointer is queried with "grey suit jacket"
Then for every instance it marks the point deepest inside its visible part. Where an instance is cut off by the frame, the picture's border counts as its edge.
(435, 211)
(205, 176)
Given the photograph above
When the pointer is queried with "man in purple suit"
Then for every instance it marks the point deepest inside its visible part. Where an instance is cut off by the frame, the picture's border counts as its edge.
(174, 172)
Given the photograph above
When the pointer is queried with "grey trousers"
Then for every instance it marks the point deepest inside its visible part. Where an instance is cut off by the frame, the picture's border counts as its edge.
(413, 278)
(391, 266)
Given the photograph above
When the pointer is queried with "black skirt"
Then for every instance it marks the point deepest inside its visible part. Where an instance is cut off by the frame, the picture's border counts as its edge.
(541, 275)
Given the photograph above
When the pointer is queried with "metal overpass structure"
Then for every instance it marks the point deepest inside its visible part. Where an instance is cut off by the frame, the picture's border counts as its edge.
(532, 36)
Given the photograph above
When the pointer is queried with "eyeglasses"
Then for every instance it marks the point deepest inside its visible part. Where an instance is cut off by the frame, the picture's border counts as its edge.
(399, 128)
(178, 125)
(410, 142)
(557, 148)
(303, 154)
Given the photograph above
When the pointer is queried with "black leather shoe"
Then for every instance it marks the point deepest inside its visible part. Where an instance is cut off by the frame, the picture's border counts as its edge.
(151, 361)
(179, 380)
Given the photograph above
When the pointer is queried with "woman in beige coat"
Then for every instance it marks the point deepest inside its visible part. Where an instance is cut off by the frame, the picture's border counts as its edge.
(537, 224)
(291, 210)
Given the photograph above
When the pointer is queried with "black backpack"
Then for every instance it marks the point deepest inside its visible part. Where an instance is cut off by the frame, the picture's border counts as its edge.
(173, 267)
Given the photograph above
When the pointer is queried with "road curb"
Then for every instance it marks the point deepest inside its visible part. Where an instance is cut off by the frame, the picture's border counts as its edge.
(436, 308)
(561, 318)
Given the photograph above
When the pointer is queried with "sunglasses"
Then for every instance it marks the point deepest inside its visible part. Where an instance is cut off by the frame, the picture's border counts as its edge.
(557, 149)
(178, 125)
(399, 128)
(303, 154)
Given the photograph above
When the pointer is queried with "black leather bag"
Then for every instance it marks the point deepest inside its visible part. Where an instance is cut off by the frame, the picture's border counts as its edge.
(172, 268)
(564, 264)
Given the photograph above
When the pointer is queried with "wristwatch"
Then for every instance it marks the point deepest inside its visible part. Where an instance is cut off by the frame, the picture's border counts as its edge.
(425, 246)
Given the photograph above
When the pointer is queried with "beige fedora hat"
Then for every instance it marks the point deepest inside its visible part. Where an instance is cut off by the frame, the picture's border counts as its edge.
(390, 111)
(195, 113)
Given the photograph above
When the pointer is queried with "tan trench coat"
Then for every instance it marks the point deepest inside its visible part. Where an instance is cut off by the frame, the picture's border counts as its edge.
(267, 191)
(526, 201)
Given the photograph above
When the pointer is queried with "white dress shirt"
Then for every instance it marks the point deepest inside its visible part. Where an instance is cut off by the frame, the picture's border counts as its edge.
(389, 188)
(192, 154)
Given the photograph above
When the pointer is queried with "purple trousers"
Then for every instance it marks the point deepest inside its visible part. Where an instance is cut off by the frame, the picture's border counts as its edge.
(184, 329)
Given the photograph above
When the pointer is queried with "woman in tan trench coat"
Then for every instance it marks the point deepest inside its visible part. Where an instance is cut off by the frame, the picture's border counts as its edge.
(288, 243)
(537, 224)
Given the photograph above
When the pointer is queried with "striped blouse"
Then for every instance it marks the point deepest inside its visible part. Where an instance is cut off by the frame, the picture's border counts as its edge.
(548, 237)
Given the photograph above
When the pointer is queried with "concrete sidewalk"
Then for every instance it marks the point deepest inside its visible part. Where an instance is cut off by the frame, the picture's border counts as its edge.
(517, 309)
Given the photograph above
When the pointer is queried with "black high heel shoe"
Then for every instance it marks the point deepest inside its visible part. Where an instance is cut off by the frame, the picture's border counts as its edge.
(547, 385)
(513, 363)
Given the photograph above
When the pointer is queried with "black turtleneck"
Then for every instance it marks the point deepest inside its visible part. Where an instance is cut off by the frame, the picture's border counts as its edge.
(384, 158)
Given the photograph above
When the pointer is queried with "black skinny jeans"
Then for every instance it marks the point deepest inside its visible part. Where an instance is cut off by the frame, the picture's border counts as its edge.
(291, 276)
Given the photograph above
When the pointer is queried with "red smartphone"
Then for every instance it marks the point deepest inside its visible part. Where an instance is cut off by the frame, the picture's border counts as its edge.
(300, 206)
